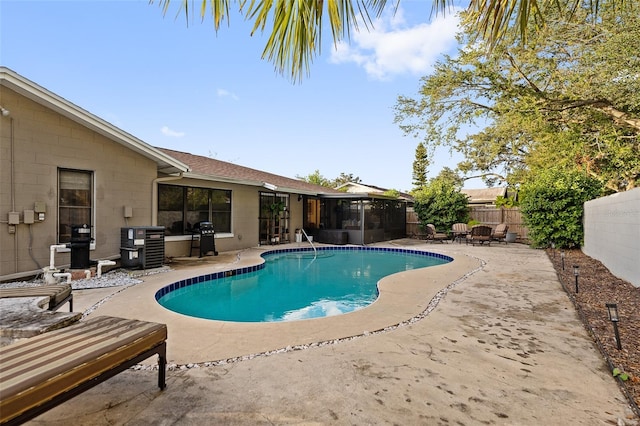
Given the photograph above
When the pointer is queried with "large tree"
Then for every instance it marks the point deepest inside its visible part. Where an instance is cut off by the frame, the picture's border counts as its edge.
(296, 25)
(571, 99)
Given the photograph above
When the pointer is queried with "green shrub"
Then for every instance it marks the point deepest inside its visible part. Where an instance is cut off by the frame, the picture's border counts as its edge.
(441, 204)
(506, 202)
(552, 207)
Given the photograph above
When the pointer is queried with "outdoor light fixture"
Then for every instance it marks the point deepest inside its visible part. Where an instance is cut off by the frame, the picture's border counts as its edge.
(4, 112)
(553, 247)
(269, 186)
(612, 309)
(299, 197)
(562, 258)
(576, 272)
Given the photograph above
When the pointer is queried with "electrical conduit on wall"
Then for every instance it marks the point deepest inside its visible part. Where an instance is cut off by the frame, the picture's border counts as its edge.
(5, 113)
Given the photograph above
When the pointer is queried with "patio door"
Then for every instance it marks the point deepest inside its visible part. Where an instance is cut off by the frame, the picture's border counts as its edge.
(274, 218)
(312, 221)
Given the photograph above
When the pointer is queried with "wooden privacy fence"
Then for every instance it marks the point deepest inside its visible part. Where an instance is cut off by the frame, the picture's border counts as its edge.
(491, 216)
(413, 226)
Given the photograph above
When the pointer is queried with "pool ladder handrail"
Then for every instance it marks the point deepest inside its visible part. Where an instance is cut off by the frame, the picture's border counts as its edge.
(315, 252)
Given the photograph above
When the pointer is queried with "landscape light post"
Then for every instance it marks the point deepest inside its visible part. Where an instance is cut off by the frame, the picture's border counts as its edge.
(612, 309)
(576, 272)
(562, 258)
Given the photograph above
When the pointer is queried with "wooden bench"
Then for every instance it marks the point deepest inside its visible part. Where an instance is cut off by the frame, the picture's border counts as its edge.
(41, 372)
(58, 294)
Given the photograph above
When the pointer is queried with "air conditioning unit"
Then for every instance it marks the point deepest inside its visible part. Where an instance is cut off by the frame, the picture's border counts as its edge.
(142, 247)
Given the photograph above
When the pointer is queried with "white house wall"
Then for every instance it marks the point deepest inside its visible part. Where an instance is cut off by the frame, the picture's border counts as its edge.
(612, 233)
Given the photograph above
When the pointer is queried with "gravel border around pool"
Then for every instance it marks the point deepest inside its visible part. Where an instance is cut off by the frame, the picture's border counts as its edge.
(404, 297)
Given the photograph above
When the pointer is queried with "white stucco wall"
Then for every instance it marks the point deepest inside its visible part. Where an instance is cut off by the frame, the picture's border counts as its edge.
(612, 233)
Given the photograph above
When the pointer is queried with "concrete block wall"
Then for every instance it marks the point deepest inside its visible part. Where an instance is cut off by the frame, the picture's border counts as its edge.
(39, 141)
(612, 233)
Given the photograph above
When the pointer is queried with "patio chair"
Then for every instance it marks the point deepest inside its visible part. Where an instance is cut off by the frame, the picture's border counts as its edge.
(479, 234)
(459, 231)
(58, 294)
(433, 235)
(500, 233)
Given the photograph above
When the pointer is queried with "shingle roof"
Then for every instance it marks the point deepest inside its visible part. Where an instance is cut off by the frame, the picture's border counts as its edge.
(212, 169)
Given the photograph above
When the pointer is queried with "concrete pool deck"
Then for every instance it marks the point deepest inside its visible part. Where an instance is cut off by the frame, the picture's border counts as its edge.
(500, 344)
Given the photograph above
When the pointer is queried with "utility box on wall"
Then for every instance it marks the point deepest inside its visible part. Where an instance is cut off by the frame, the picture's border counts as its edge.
(142, 247)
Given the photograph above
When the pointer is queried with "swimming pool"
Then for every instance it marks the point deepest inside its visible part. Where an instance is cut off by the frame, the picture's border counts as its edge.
(294, 284)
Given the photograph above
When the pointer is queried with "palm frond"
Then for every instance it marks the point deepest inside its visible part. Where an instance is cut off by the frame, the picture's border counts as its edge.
(219, 9)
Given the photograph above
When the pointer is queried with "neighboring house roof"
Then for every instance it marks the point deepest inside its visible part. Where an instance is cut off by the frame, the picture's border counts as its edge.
(216, 170)
(44, 97)
(359, 188)
(484, 195)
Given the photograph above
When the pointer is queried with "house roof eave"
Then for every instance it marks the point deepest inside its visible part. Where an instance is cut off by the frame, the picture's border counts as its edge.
(248, 182)
(361, 195)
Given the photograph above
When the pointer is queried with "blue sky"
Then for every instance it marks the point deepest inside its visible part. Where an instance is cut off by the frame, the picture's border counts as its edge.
(188, 88)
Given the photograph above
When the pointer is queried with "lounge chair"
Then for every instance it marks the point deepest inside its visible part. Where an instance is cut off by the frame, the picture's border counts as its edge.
(459, 231)
(479, 234)
(433, 235)
(44, 371)
(500, 233)
(58, 294)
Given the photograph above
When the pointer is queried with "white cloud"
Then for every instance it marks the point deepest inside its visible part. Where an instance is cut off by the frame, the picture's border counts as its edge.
(393, 48)
(172, 133)
(222, 93)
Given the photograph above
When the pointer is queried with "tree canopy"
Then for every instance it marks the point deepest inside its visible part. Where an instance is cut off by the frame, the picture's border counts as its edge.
(440, 202)
(318, 179)
(345, 178)
(570, 99)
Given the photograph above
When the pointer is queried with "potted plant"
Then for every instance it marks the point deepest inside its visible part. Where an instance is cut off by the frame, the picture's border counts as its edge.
(277, 207)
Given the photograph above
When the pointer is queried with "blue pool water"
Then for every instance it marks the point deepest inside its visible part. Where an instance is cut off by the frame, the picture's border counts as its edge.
(294, 284)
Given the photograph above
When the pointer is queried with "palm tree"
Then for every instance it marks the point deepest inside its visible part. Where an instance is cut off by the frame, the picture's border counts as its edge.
(297, 24)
